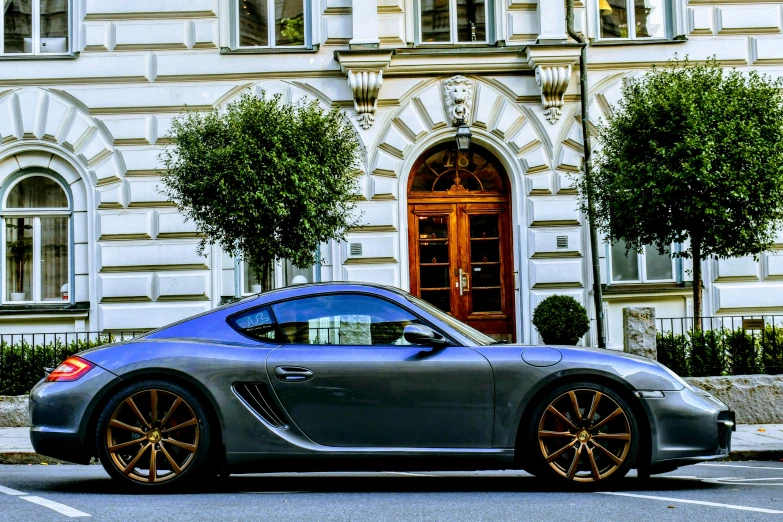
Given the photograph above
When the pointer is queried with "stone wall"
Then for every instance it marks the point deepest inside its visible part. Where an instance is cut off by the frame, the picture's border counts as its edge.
(14, 411)
(756, 399)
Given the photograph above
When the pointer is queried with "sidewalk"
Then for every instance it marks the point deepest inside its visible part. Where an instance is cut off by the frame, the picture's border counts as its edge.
(749, 442)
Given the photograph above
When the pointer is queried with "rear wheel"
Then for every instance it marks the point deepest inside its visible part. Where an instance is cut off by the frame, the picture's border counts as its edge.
(153, 434)
(583, 434)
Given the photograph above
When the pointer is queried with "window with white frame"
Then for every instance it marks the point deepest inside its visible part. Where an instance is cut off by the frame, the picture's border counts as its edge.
(251, 279)
(640, 267)
(272, 23)
(36, 241)
(36, 27)
(452, 21)
(633, 19)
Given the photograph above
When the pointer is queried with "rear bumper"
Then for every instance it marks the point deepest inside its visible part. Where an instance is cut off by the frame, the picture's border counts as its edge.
(60, 414)
(688, 427)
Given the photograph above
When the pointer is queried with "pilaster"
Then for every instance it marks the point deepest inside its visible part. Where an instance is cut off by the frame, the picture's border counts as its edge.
(365, 24)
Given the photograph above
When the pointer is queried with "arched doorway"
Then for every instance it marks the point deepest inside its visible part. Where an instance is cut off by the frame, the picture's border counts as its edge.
(459, 222)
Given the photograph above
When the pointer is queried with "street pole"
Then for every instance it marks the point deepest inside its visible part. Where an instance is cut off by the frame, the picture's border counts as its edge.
(597, 292)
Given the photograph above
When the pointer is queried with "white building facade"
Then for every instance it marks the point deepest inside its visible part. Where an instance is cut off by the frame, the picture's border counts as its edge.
(88, 89)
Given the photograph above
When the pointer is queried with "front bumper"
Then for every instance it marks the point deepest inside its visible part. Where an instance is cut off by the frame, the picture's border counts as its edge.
(60, 414)
(688, 427)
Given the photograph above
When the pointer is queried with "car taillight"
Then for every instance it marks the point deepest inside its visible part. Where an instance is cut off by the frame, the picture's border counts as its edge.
(71, 369)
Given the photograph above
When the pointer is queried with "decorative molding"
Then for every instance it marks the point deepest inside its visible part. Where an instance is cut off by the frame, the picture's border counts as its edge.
(364, 69)
(365, 86)
(553, 82)
(458, 97)
(552, 66)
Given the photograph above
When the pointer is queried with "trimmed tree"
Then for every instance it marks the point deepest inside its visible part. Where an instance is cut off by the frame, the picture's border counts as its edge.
(692, 154)
(263, 179)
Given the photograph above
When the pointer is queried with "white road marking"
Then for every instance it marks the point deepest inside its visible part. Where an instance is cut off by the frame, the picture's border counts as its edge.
(738, 466)
(51, 504)
(406, 473)
(9, 491)
(56, 506)
(698, 502)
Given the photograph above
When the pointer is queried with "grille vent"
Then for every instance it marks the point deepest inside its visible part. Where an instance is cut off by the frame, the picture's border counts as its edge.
(356, 249)
(257, 397)
(562, 241)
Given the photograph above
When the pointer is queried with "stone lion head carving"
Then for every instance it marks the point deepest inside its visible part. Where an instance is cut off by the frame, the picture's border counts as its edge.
(458, 93)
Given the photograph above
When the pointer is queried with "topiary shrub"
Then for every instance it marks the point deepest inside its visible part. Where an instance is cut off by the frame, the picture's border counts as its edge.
(560, 319)
(772, 349)
(742, 353)
(707, 353)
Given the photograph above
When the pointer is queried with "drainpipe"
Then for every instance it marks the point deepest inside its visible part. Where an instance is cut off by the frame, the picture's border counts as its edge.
(597, 292)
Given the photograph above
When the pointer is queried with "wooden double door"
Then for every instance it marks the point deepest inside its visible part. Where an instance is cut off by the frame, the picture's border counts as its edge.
(461, 261)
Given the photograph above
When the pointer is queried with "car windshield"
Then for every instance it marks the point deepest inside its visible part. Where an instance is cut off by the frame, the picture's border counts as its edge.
(471, 333)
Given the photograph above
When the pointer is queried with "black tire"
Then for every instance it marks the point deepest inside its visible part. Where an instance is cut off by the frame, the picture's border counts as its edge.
(136, 447)
(596, 452)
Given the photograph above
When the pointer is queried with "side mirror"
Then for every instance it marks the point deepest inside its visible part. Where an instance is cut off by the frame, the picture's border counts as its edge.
(420, 334)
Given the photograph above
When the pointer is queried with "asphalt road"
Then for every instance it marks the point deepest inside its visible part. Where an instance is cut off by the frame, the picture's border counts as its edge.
(721, 491)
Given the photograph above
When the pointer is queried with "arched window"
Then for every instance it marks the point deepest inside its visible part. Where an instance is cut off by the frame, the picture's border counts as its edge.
(448, 170)
(36, 241)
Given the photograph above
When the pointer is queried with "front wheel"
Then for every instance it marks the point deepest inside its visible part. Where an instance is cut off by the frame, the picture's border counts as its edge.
(583, 434)
(153, 434)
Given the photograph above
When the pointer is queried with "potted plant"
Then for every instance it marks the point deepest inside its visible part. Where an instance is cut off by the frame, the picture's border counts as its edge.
(21, 251)
(560, 319)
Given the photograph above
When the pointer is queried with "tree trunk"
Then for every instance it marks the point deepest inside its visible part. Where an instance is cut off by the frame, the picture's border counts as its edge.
(696, 250)
(265, 277)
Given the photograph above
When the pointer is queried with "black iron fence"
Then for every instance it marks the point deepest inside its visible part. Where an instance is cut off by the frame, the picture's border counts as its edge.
(721, 345)
(23, 357)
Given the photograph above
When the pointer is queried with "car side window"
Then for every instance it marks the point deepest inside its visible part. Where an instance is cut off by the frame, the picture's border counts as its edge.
(346, 319)
(258, 323)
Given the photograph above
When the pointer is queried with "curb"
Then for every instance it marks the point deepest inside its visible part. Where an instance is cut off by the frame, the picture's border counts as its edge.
(20, 457)
(765, 455)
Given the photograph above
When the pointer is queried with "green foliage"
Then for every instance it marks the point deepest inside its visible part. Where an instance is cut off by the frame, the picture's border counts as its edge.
(693, 151)
(772, 349)
(560, 319)
(22, 363)
(722, 351)
(673, 353)
(692, 154)
(293, 29)
(264, 179)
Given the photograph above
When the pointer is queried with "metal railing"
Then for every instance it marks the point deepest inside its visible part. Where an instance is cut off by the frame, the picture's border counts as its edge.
(721, 345)
(23, 356)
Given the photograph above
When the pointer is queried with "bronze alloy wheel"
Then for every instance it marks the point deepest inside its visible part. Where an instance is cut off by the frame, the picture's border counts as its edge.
(584, 435)
(152, 436)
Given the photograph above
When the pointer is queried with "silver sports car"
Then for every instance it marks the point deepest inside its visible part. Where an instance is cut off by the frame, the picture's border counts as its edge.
(360, 377)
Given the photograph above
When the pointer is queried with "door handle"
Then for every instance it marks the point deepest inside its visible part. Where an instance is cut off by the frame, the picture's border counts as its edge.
(293, 374)
(464, 285)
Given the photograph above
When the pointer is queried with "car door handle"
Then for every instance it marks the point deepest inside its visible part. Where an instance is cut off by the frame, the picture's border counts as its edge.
(293, 374)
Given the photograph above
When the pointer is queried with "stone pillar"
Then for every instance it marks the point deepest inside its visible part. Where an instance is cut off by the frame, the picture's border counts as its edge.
(639, 332)
(551, 19)
(365, 24)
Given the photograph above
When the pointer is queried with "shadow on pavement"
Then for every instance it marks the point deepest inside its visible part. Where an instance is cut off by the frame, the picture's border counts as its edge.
(380, 483)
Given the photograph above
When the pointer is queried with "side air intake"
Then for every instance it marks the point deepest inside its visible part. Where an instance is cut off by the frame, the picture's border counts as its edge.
(257, 397)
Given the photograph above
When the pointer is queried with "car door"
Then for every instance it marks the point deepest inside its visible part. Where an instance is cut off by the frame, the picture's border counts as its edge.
(348, 378)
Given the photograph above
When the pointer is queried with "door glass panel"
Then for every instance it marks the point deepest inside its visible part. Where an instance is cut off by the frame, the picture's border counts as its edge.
(19, 259)
(435, 26)
(485, 263)
(348, 320)
(253, 23)
(658, 266)
(434, 279)
(54, 258)
(487, 300)
(258, 323)
(470, 21)
(624, 267)
(54, 26)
